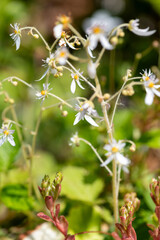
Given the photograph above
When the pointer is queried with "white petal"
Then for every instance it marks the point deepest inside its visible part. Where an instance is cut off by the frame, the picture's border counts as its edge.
(91, 121)
(10, 140)
(143, 32)
(156, 92)
(121, 159)
(108, 147)
(43, 75)
(125, 169)
(57, 30)
(105, 43)
(107, 161)
(156, 86)
(92, 70)
(18, 42)
(90, 52)
(149, 96)
(2, 140)
(121, 145)
(73, 86)
(70, 45)
(93, 41)
(62, 61)
(79, 84)
(78, 118)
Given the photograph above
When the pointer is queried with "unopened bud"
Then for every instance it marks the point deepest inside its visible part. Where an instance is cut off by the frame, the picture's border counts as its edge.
(64, 113)
(107, 96)
(155, 44)
(59, 69)
(120, 33)
(114, 40)
(30, 32)
(11, 101)
(36, 36)
(15, 83)
(132, 148)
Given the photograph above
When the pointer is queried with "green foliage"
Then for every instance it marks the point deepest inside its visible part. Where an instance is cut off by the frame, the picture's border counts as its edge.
(15, 196)
(74, 186)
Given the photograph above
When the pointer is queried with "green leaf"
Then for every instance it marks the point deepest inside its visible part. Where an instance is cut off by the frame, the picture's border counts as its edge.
(15, 197)
(152, 138)
(75, 187)
(84, 218)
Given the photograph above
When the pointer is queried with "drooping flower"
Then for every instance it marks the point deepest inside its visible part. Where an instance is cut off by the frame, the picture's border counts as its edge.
(76, 80)
(114, 149)
(151, 89)
(62, 23)
(44, 93)
(133, 26)
(16, 36)
(61, 55)
(6, 135)
(85, 112)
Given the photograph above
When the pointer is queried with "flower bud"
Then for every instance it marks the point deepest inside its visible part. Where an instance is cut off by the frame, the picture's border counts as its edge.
(36, 36)
(11, 101)
(15, 83)
(107, 96)
(132, 148)
(64, 113)
(114, 40)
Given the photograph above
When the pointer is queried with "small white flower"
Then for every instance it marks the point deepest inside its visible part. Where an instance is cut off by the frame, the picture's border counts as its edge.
(44, 93)
(63, 42)
(146, 75)
(85, 112)
(134, 27)
(151, 89)
(75, 79)
(16, 36)
(62, 22)
(6, 135)
(92, 69)
(74, 140)
(61, 55)
(114, 148)
(97, 34)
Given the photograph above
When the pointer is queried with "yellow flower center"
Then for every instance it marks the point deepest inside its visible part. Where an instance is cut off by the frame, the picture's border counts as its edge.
(147, 78)
(51, 61)
(76, 77)
(81, 109)
(43, 92)
(6, 132)
(64, 19)
(151, 85)
(97, 30)
(114, 149)
(17, 32)
(62, 54)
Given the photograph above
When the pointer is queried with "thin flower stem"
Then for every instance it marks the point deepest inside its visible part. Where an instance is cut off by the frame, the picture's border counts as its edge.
(111, 71)
(96, 153)
(18, 79)
(61, 100)
(118, 178)
(116, 103)
(54, 44)
(90, 84)
(115, 190)
(74, 58)
(116, 28)
(77, 34)
(100, 56)
(36, 30)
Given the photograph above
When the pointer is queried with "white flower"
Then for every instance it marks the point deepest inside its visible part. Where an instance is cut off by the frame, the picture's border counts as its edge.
(92, 69)
(134, 27)
(151, 89)
(6, 135)
(85, 112)
(75, 79)
(44, 93)
(16, 36)
(146, 75)
(62, 22)
(74, 140)
(114, 148)
(97, 34)
(61, 55)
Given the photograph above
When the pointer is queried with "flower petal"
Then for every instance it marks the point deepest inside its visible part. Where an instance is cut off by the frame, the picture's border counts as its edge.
(143, 32)
(92, 70)
(2, 140)
(18, 42)
(78, 118)
(107, 161)
(73, 86)
(121, 159)
(105, 43)
(43, 75)
(57, 30)
(11, 140)
(90, 52)
(93, 41)
(149, 96)
(79, 84)
(91, 121)
(156, 92)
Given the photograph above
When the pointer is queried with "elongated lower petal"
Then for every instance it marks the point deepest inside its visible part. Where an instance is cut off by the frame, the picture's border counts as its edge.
(77, 119)
(73, 86)
(105, 43)
(11, 140)
(57, 30)
(91, 121)
(108, 160)
(143, 32)
(149, 96)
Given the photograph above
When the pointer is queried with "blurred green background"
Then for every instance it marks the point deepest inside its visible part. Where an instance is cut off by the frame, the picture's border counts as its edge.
(86, 189)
